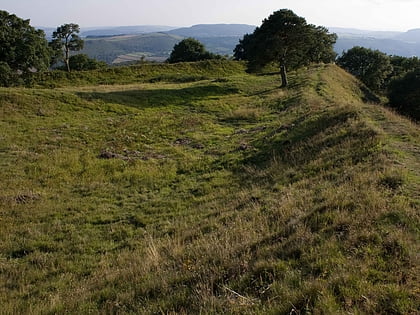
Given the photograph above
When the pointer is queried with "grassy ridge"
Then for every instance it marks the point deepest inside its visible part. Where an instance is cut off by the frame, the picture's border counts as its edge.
(219, 195)
(178, 73)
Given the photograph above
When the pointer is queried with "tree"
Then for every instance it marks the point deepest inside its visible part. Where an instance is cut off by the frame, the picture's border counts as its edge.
(83, 62)
(404, 94)
(288, 40)
(372, 67)
(190, 49)
(23, 49)
(65, 39)
(400, 67)
(243, 50)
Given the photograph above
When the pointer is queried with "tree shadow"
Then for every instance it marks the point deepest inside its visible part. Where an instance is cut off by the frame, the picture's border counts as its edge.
(264, 92)
(369, 96)
(150, 98)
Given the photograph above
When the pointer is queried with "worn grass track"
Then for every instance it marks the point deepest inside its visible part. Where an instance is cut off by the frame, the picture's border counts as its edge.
(225, 194)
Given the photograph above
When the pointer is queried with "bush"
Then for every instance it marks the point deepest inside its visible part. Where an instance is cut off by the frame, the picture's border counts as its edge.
(6, 74)
(83, 62)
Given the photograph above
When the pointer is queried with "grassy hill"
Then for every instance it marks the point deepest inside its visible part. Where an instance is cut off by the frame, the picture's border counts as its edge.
(216, 193)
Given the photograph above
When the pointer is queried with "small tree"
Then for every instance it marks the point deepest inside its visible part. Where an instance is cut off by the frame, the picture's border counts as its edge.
(372, 67)
(65, 39)
(288, 40)
(190, 49)
(23, 49)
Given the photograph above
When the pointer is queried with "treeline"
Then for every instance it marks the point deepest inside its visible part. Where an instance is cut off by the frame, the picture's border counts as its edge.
(25, 50)
(394, 76)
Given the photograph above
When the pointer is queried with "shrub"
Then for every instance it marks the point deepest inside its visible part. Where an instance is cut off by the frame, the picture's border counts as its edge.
(83, 62)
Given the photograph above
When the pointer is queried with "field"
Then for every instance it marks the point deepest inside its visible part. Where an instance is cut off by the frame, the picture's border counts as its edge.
(198, 188)
(138, 57)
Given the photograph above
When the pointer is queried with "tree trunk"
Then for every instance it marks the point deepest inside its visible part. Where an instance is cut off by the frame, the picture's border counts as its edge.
(67, 59)
(283, 75)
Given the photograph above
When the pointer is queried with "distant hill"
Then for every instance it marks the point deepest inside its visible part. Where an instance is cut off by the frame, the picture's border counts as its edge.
(354, 32)
(410, 36)
(214, 30)
(218, 38)
(106, 31)
(126, 30)
(120, 45)
(388, 46)
(393, 43)
(131, 43)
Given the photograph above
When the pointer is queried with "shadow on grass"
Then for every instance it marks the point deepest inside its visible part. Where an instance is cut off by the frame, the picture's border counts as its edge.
(289, 142)
(369, 96)
(159, 97)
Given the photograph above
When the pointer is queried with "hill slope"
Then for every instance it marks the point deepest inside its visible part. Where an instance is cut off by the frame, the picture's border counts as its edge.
(226, 194)
(108, 49)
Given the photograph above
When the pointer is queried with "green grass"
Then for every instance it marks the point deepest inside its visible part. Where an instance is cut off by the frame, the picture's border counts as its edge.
(222, 194)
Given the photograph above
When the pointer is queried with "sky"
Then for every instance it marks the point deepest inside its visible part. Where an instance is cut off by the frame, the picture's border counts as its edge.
(389, 15)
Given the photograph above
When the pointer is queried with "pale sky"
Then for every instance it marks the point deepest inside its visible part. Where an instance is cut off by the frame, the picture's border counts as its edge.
(392, 15)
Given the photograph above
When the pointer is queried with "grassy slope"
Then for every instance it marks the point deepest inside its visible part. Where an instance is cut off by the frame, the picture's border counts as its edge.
(142, 73)
(222, 195)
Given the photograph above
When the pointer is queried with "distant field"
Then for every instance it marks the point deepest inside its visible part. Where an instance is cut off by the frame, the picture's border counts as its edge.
(109, 48)
(197, 188)
(137, 57)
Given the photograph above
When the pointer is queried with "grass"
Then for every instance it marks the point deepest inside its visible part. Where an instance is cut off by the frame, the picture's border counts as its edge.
(221, 194)
(141, 73)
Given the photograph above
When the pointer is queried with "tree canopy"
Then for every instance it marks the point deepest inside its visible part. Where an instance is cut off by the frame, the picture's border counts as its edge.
(23, 49)
(372, 67)
(190, 49)
(404, 94)
(66, 39)
(288, 40)
(402, 65)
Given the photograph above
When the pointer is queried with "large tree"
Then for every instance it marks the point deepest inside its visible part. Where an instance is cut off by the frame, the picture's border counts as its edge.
(288, 40)
(65, 40)
(190, 49)
(23, 49)
(372, 67)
